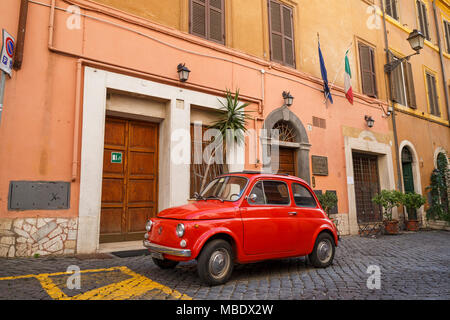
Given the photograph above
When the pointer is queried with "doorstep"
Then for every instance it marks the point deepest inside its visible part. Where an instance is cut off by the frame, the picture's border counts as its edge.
(120, 246)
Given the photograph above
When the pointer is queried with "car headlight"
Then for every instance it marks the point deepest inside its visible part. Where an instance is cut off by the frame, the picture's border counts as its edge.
(180, 230)
(149, 225)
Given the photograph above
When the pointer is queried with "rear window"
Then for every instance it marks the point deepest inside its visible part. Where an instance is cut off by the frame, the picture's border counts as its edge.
(302, 196)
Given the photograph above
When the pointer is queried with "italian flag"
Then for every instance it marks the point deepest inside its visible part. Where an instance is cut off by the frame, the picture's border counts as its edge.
(348, 80)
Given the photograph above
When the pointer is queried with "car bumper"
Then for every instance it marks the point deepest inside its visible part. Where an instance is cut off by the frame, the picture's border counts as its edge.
(186, 253)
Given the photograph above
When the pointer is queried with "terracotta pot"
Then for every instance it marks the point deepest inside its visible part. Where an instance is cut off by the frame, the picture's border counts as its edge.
(391, 227)
(412, 225)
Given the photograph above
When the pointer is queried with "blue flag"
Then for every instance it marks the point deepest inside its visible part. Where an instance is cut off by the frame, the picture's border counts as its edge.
(323, 70)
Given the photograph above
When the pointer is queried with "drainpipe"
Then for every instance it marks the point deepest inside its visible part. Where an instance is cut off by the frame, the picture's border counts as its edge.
(18, 55)
(394, 124)
(441, 55)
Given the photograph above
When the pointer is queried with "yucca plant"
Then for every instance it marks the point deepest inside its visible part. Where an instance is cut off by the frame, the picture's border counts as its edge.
(233, 119)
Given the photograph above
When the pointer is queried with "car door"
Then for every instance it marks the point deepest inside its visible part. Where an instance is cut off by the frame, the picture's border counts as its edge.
(308, 217)
(267, 218)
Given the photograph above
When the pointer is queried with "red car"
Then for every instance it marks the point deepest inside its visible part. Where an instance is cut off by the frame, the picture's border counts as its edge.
(242, 218)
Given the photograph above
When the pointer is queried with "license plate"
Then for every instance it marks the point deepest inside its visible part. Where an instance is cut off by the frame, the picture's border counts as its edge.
(157, 255)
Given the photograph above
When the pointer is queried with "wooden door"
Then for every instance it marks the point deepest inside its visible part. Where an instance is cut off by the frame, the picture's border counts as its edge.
(365, 170)
(130, 179)
(287, 161)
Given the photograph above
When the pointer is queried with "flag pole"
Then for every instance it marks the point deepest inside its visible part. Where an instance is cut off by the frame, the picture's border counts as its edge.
(338, 73)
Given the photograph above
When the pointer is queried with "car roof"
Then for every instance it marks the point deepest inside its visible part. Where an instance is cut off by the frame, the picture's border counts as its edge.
(258, 174)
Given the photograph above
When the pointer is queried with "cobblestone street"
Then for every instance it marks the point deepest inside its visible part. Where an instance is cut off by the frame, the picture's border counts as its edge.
(413, 266)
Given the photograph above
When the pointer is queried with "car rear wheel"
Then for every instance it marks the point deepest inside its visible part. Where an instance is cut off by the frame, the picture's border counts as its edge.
(165, 264)
(215, 263)
(323, 253)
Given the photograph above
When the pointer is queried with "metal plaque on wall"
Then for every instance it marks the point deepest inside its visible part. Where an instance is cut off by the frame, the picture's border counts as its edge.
(38, 195)
(319, 165)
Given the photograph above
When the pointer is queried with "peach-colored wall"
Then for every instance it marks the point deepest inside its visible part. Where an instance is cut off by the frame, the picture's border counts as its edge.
(36, 134)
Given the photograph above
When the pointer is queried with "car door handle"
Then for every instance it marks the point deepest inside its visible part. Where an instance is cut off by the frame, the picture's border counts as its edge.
(292, 213)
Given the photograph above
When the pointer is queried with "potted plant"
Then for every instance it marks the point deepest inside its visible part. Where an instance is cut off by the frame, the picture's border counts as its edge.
(389, 199)
(328, 201)
(412, 201)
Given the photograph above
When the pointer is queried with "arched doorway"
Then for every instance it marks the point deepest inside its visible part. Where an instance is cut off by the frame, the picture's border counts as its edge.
(293, 143)
(407, 168)
(287, 155)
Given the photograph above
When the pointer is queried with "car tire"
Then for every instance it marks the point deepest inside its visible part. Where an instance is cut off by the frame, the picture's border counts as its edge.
(323, 252)
(215, 263)
(165, 264)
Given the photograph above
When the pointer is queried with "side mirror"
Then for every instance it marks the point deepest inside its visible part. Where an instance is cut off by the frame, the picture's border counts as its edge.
(253, 197)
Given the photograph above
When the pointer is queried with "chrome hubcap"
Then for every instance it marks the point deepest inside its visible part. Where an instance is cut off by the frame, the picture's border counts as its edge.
(324, 250)
(219, 263)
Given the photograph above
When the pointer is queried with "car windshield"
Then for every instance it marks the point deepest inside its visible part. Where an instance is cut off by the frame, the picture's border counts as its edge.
(228, 188)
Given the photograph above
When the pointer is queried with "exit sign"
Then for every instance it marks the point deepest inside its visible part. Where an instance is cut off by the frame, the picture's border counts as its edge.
(116, 157)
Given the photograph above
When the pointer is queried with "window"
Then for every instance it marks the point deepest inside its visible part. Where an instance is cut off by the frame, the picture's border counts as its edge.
(281, 33)
(447, 34)
(207, 19)
(403, 91)
(391, 8)
(433, 101)
(271, 192)
(367, 66)
(423, 19)
(225, 188)
(302, 196)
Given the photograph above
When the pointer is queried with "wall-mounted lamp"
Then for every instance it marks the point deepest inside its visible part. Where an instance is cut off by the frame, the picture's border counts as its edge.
(288, 99)
(369, 121)
(183, 72)
(416, 41)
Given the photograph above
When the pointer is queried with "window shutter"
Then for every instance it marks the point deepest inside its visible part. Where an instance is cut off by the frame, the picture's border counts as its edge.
(432, 95)
(276, 31)
(411, 93)
(281, 33)
(391, 8)
(447, 34)
(368, 77)
(435, 97)
(288, 36)
(207, 19)
(388, 7)
(198, 17)
(423, 18)
(216, 21)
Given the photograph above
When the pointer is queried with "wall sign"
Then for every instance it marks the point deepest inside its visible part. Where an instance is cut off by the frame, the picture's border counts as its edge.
(319, 165)
(7, 53)
(116, 157)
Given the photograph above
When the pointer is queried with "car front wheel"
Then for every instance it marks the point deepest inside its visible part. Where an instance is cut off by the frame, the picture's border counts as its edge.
(323, 253)
(215, 263)
(165, 264)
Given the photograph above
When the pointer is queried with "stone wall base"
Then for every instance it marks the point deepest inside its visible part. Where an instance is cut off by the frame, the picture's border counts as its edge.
(341, 220)
(438, 225)
(42, 236)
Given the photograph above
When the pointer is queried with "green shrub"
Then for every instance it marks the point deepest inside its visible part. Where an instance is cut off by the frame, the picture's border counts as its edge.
(328, 201)
(388, 199)
(413, 201)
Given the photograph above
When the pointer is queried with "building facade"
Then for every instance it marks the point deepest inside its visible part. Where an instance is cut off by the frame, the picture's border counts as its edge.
(93, 130)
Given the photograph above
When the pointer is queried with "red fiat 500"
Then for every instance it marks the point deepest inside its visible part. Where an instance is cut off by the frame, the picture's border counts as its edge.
(242, 218)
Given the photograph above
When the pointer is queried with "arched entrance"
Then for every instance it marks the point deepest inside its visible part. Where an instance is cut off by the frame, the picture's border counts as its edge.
(293, 143)
(407, 168)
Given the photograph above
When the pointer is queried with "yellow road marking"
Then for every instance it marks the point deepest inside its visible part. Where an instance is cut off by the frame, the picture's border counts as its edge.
(135, 286)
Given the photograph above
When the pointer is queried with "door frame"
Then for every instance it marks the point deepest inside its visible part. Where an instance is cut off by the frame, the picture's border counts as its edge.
(173, 175)
(366, 142)
(416, 173)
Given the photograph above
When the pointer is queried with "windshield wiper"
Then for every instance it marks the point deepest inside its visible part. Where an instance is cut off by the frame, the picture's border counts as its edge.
(214, 198)
(197, 196)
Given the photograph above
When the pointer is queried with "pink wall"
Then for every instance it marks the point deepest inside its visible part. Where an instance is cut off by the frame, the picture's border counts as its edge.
(36, 133)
